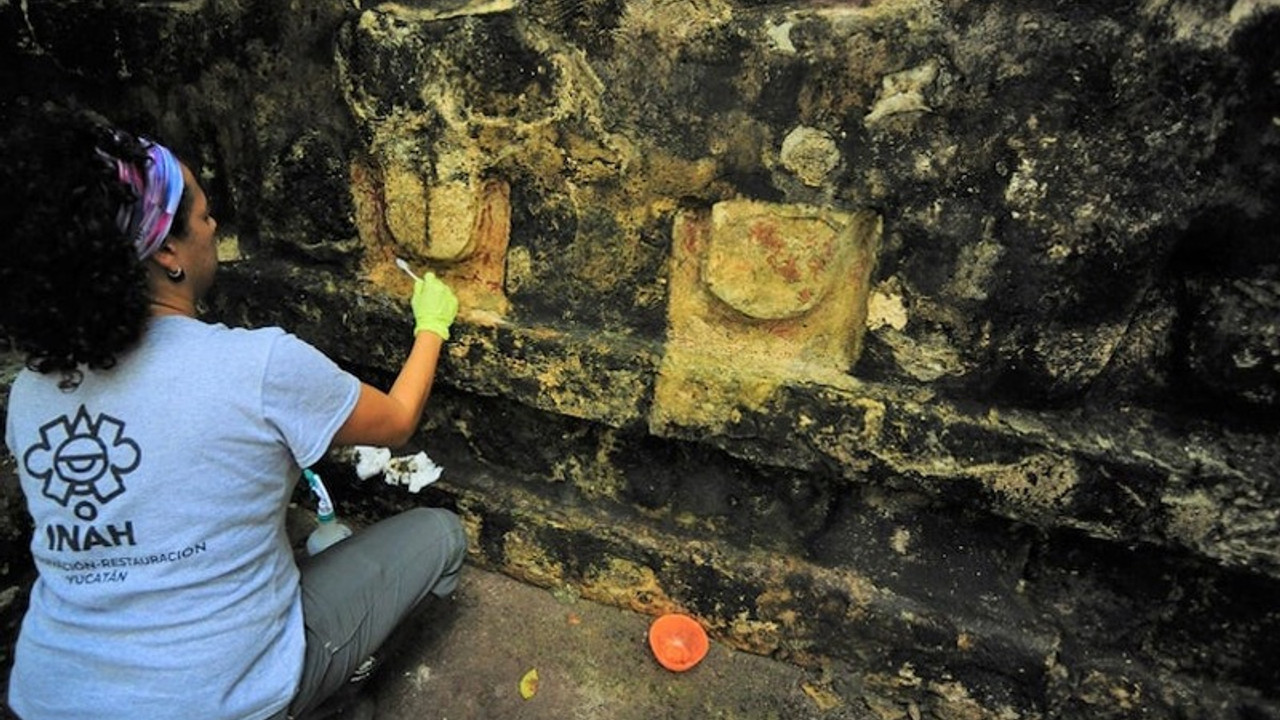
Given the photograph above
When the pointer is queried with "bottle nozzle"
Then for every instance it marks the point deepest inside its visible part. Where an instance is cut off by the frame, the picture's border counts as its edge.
(324, 505)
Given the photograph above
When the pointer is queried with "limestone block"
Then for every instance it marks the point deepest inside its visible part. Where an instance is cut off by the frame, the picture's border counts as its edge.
(458, 229)
(760, 295)
(774, 262)
(903, 92)
(481, 225)
(811, 154)
(453, 211)
(405, 206)
(468, 227)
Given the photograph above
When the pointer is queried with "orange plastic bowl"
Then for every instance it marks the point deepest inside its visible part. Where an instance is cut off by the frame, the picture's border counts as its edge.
(678, 642)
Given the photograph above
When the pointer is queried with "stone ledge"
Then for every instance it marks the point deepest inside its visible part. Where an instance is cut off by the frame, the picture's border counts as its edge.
(895, 649)
(1130, 475)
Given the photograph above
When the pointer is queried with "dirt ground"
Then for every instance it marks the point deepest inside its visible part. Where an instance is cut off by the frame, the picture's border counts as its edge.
(466, 659)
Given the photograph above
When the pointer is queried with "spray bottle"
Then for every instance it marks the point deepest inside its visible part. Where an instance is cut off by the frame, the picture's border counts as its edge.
(330, 530)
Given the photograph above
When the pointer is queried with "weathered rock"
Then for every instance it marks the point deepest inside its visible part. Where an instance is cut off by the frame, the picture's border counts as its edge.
(938, 340)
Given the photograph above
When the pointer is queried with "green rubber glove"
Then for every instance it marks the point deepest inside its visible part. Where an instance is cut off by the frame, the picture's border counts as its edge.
(434, 306)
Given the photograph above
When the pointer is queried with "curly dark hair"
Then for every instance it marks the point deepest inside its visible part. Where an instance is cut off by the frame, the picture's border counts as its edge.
(72, 290)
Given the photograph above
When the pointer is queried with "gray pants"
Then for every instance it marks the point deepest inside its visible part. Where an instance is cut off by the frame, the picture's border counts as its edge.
(356, 592)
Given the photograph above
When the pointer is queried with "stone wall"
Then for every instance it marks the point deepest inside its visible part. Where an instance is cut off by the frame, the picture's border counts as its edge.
(937, 342)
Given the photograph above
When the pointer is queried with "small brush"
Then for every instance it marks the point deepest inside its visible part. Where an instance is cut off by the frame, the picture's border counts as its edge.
(400, 263)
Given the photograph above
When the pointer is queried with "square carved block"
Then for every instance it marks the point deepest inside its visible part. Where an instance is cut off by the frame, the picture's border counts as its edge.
(761, 295)
(457, 229)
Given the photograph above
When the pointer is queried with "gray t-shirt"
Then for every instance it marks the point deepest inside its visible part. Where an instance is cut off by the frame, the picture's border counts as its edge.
(167, 587)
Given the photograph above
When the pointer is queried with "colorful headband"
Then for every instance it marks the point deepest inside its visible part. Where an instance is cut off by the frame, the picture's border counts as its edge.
(158, 188)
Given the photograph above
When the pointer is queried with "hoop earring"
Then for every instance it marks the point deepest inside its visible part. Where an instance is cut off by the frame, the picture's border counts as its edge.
(176, 276)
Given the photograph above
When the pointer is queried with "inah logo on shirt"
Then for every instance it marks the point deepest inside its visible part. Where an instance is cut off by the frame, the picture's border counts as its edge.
(82, 461)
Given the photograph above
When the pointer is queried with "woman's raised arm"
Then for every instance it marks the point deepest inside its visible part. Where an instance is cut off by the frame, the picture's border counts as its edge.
(389, 419)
